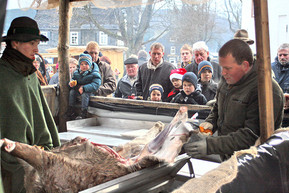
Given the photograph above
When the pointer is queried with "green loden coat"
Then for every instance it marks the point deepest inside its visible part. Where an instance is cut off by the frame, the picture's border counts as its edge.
(235, 115)
(24, 117)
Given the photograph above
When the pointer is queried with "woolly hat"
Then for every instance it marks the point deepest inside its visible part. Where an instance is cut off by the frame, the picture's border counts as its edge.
(177, 73)
(24, 29)
(130, 61)
(85, 57)
(156, 87)
(242, 34)
(204, 65)
(190, 77)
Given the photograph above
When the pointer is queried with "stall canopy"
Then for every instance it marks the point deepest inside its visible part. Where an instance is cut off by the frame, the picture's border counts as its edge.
(104, 4)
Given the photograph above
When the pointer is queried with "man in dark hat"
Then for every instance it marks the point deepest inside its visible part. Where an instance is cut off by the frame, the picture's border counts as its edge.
(28, 119)
(242, 34)
(126, 87)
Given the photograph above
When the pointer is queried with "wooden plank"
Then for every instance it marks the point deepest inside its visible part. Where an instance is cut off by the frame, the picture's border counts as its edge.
(264, 70)
(147, 103)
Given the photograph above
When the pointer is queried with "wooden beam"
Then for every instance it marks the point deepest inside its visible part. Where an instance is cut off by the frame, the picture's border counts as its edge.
(264, 70)
(147, 103)
(63, 59)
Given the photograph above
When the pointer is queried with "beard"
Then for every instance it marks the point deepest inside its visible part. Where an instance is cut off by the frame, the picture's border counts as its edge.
(284, 62)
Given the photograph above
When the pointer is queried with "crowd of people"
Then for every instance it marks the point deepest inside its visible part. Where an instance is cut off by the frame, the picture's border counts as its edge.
(231, 87)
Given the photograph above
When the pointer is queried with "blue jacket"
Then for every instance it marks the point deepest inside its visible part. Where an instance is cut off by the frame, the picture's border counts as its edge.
(90, 81)
(281, 74)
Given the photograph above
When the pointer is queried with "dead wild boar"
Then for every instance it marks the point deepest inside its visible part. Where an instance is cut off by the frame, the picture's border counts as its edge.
(81, 164)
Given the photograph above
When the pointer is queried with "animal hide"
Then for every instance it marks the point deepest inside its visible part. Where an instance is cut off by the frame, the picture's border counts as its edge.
(80, 164)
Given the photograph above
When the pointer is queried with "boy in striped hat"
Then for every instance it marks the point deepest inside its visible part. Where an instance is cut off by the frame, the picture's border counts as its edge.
(208, 86)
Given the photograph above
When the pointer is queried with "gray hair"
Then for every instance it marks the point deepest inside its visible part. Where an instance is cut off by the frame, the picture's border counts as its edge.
(199, 46)
(283, 46)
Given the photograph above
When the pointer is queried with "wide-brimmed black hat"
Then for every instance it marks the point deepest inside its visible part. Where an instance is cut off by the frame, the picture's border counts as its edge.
(24, 29)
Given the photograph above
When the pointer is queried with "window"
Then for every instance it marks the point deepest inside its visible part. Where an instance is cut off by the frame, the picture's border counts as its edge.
(173, 49)
(119, 42)
(73, 38)
(102, 38)
(172, 61)
(172, 39)
(45, 33)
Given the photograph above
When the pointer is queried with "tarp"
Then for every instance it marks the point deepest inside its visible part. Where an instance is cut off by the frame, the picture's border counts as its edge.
(104, 4)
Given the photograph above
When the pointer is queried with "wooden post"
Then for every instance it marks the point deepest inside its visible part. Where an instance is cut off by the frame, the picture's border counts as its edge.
(2, 17)
(63, 46)
(265, 96)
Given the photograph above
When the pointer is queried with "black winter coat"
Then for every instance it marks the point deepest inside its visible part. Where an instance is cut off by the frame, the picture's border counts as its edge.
(208, 89)
(147, 77)
(195, 97)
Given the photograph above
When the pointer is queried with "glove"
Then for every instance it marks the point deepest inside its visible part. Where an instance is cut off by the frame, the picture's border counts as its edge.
(196, 149)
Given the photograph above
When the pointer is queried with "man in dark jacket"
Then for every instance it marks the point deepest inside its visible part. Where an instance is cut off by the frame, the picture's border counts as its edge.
(125, 86)
(108, 82)
(235, 115)
(281, 67)
(201, 53)
(155, 71)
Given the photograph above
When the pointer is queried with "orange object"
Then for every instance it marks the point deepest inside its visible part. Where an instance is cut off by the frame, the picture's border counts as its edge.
(202, 130)
(73, 83)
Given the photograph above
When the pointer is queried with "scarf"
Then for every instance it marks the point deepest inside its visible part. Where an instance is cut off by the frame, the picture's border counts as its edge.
(42, 80)
(18, 62)
(152, 67)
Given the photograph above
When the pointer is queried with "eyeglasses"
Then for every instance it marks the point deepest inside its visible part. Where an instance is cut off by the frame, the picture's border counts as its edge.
(280, 55)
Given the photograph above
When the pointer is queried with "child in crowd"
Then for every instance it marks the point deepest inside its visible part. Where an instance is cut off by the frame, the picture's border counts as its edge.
(42, 79)
(72, 66)
(176, 79)
(155, 92)
(190, 93)
(84, 82)
(208, 86)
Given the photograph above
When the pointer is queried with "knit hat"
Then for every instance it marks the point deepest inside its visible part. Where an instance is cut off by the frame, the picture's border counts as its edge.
(204, 65)
(130, 61)
(156, 87)
(177, 73)
(85, 57)
(190, 77)
(242, 34)
(24, 29)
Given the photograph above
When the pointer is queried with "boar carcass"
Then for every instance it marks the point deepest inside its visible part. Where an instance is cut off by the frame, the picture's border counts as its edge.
(81, 164)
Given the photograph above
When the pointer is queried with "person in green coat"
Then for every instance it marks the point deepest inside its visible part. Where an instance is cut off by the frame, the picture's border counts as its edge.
(235, 115)
(24, 114)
